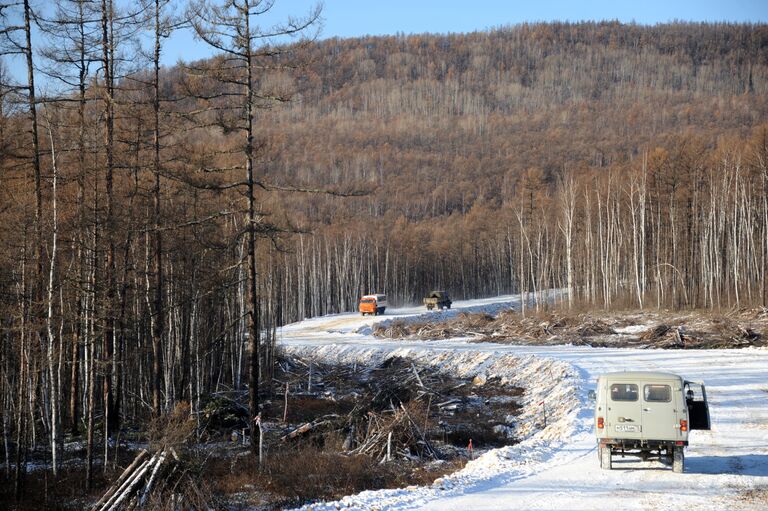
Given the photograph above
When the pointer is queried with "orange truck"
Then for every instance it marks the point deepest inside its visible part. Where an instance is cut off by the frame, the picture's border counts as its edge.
(372, 304)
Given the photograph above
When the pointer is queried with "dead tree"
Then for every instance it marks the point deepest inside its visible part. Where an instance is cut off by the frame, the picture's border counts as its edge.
(230, 27)
(158, 314)
(16, 39)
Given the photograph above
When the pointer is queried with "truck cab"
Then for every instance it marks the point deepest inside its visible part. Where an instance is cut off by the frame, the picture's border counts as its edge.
(647, 414)
(372, 304)
(437, 300)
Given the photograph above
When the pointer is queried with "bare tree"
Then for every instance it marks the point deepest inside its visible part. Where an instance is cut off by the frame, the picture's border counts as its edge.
(567, 192)
(17, 40)
(230, 27)
(54, 375)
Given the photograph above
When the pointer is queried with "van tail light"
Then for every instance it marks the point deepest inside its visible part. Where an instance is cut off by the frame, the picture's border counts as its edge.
(683, 425)
(600, 424)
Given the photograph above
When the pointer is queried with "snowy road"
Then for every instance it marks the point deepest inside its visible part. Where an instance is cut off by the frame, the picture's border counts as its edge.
(726, 468)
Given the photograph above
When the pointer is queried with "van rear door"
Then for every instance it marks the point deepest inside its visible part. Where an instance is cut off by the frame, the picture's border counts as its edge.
(698, 408)
(624, 418)
(661, 401)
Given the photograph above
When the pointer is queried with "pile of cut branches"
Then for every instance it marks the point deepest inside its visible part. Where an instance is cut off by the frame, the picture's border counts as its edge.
(391, 413)
(161, 479)
(134, 486)
(506, 326)
(753, 313)
(741, 329)
(392, 433)
(665, 337)
(384, 420)
(716, 334)
(156, 481)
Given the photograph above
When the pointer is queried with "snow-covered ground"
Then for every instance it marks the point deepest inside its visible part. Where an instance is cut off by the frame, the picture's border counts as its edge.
(556, 467)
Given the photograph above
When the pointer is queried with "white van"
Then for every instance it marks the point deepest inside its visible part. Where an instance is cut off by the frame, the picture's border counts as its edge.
(647, 414)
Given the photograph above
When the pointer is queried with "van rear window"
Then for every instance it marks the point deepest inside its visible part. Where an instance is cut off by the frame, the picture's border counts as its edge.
(657, 393)
(623, 392)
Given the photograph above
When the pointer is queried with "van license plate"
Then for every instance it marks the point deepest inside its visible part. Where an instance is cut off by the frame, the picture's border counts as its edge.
(626, 428)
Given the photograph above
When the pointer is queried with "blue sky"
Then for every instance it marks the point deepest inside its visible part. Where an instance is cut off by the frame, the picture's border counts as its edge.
(350, 18)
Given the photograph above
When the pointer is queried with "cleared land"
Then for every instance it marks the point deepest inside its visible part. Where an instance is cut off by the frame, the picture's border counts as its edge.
(642, 329)
(555, 466)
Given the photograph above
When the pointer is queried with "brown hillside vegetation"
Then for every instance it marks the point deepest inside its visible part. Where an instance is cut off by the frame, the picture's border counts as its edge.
(481, 148)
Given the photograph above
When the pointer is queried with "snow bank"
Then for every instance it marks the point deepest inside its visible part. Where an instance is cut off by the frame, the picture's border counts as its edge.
(552, 388)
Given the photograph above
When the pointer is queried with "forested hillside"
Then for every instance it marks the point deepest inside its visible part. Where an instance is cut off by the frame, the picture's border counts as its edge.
(159, 224)
(482, 148)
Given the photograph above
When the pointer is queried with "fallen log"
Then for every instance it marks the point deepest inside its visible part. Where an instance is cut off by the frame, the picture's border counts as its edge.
(127, 487)
(148, 487)
(309, 426)
(135, 484)
(120, 480)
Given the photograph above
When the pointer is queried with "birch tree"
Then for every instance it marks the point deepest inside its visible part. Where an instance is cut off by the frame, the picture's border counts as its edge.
(567, 192)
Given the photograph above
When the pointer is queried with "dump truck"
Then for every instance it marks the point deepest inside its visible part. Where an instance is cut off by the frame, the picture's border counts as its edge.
(372, 304)
(437, 300)
(647, 414)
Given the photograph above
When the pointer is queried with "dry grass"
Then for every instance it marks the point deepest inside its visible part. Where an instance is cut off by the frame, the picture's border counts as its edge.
(40, 493)
(757, 497)
(293, 477)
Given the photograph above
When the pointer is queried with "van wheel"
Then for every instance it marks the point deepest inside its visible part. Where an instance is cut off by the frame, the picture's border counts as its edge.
(678, 460)
(604, 454)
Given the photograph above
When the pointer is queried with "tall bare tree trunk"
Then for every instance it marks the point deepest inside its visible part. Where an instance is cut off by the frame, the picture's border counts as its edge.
(90, 332)
(158, 315)
(568, 200)
(29, 310)
(51, 355)
(110, 419)
(254, 327)
(21, 411)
